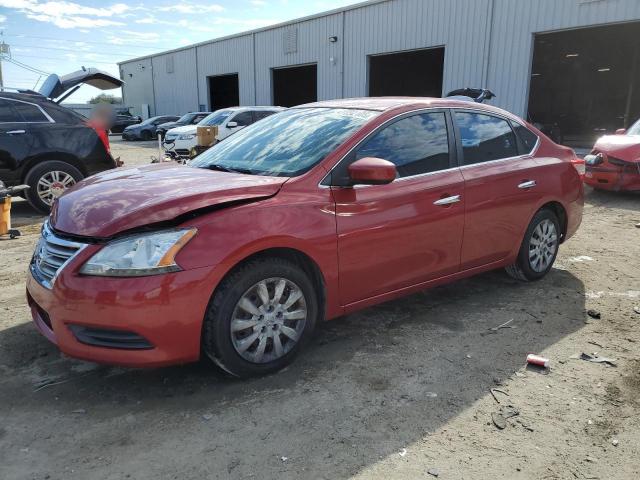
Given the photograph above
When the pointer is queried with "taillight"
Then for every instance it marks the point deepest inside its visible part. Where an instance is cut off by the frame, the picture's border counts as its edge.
(579, 165)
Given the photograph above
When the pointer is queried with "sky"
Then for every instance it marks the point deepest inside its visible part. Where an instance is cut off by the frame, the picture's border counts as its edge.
(59, 36)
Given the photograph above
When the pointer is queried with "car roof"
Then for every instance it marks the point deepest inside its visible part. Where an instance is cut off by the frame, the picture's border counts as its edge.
(26, 97)
(382, 104)
(251, 107)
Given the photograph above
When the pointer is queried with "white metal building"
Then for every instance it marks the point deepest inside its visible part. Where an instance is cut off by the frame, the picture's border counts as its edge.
(572, 62)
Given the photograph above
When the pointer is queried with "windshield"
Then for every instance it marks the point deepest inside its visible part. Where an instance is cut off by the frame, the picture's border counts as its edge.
(285, 144)
(216, 118)
(635, 129)
(186, 118)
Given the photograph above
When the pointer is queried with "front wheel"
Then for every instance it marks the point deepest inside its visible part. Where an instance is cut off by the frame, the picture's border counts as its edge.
(539, 248)
(260, 317)
(48, 180)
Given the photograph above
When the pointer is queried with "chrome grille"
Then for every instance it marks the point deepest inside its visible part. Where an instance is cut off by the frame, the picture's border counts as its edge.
(51, 255)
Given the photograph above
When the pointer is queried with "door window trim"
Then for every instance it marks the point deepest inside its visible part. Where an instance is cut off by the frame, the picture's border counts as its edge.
(459, 150)
(453, 165)
(46, 115)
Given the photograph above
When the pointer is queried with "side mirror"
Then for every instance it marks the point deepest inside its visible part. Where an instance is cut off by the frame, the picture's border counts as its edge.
(232, 124)
(621, 131)
(372, 171)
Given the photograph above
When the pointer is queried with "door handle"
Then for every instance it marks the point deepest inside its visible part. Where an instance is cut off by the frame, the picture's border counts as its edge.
(16, 132)
(447, 200)
(527, 184)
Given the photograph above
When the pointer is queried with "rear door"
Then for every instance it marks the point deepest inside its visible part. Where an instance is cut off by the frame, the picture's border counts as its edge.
(501, 186)
(16, 136)
(407, 232)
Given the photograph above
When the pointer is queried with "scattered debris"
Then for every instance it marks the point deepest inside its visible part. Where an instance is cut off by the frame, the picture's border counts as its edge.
(431, 394)
(526, 426)
(580, 258)
(434, 472)
(596, 344)
(500, 417)
(207, 416)
(493, 393)
(284, 459)
(402, 452)
(637, 310)
(594, 314)
(533, 359)
(614, 442)
(595, 359)
(504, 325)
(79, 411)
(637, 225)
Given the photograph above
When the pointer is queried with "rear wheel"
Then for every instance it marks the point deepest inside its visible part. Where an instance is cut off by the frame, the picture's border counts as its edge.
(539, 248)
(260, 317)
(48, 180)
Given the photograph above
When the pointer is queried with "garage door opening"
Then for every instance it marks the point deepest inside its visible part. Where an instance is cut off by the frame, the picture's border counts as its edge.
(585, 82)
(295, 85)
(224, 91)
(414, 73)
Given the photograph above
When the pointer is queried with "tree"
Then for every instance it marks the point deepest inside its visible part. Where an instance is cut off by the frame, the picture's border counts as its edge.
(105, 98)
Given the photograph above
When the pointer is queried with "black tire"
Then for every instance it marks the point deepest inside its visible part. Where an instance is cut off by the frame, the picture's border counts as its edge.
(145, 135)
(40, 170)
(216, 335)
(523, 270)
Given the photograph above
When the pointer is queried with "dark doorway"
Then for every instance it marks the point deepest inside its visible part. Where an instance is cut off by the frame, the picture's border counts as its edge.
(416, 73)
(224, 91)
(295, 85)
(586, 82)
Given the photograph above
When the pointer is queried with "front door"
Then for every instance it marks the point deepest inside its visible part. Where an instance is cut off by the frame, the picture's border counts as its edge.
(407, 232)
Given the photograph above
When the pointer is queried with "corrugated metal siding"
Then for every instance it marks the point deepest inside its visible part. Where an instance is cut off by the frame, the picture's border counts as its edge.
(234, 55)
(487, 43)
(313, 46)
(138, 87)
(514, 26)
(459, 25)
(174, 81)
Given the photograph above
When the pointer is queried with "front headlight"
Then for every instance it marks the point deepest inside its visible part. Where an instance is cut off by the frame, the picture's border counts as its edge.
(187, 136)
(139, 255)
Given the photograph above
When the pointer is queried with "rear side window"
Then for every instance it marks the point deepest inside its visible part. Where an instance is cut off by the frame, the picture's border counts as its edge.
(7, 114)
(63, 115)
(527, 138)
(485, 137)
(29, 112)
(416, 144)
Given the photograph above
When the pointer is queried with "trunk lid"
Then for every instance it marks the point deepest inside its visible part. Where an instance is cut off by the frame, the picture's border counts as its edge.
(55, 86)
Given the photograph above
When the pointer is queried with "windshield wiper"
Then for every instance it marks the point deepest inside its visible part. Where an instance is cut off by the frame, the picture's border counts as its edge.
(221, 168)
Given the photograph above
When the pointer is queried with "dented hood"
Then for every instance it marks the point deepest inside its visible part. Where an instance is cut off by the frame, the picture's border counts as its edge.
(125, 198)
(624, 147)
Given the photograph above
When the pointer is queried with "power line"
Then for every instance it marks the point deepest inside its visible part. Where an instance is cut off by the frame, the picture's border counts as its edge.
(73, 50)
(25, 66)
(78, 40)
(69, 60)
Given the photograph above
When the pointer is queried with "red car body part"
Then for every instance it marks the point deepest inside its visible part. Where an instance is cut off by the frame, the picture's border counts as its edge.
(614, 163)
(361, 244)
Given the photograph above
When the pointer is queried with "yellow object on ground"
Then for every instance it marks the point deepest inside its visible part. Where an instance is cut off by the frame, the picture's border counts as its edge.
(5, 215)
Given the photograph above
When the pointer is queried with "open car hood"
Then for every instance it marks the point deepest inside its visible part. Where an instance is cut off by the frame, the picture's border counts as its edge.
(55, 86)
(624, 147)
(126, 198)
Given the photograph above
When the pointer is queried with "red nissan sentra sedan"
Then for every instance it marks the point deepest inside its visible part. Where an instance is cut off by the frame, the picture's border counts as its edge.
(307, 215)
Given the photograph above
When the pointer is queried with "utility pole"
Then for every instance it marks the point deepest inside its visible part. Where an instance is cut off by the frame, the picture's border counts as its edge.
(4, 52)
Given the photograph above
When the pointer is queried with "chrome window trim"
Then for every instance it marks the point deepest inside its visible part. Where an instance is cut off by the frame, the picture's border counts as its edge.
(46, 115)
(48, 236)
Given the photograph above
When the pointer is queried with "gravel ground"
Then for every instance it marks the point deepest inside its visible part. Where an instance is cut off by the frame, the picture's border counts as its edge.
(395, 391)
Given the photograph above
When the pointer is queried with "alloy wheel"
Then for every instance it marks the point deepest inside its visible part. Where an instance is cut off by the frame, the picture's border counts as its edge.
(53, 184)
(543, 245)
(268, 320)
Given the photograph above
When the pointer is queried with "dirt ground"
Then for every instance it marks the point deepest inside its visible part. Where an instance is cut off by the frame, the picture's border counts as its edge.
(399, 391)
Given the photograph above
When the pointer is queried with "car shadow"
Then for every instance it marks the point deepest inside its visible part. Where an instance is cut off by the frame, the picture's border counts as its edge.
(368, 385)
(604, 198)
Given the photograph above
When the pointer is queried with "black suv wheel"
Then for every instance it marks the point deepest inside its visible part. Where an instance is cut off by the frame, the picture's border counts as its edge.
(48, 180)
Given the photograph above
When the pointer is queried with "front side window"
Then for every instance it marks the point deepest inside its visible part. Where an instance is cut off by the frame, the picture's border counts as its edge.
(286, 144)
(216, 118)
(485, 137)
(260, 114)
(29, 112)
(417, 144)
(243, 119)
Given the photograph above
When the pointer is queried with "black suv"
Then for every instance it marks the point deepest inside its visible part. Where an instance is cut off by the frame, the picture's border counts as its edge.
(47, 146)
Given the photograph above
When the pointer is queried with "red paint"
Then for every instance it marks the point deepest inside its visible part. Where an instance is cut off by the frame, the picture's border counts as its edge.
(620, 167)
(370, 243)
